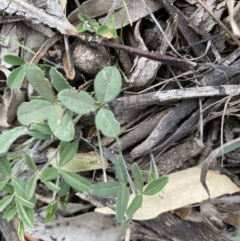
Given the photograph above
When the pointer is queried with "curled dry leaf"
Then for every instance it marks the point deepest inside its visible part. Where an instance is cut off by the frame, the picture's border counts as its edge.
(183, 188)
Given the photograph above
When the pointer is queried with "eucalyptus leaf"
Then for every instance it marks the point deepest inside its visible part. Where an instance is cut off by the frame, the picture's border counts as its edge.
(107, 84)
(122, 203)
(8, 137)
(76, 181)
(34, 111)
(58, 81)
(134, 205)
(5, 201)
(106, 122)
(30, 163)
(81, 103)
(50, 173)
(106, 189)
(14, 60)
(120, 169)
(137, 177)
(10, 212)
(156, 186)
(67, 152)
(61, 124)
(36, 78)
(16, 77)
(26, 214)
(5, 167)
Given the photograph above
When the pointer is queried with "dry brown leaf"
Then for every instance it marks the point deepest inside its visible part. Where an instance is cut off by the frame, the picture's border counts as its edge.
(11, 99)
(54, 20)
(183, 188)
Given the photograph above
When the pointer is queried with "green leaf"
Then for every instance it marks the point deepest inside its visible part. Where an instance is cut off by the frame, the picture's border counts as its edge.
(10, 212)
(38, 135)
(64, 188)
(134, 205)
(26, 214)
(107, 84)
(61, 124)
(19, 186)
(25, 202)
(34, 111)
(50, 211)
(5, 201)
(76, 181)
(30, 163)
(229, 148)
(48, 174)
(155, 186)
(51, 186)
(120, 169)
(126, 223)
(31, 187)
(137, 177)
(3, 182)
(67, 152)
(14, 60)
(16, 77)
(36, 78)
(81, 103)
(58, 81)
(5, 167)
(106, 189)
(106, 122)
(81, 28)
(122, 203)
(8, 137)
(20, 231)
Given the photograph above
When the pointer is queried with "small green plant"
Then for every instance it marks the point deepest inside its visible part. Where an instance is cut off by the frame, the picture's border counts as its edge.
(92, 26)
(51, 115)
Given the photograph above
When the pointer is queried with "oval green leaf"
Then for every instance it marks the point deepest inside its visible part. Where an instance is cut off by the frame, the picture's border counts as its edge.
(30, 163)
(10, 212)
(106, 189)
(5, 201)
(14, 60)
(122, 203)
(81, 103)
(8, 137)
(106, 122)
(26, 214)
(50, 173)
(58, 81)
(155, 186)
(34, 111)
(137, 177)
(61, 124)
(120, 169)
(5, 167)
(16, 77)
(67, 152)
(76, 181)
(51, 186)
(134, 205)
(31, 187)
(107, 84)
(36, 78)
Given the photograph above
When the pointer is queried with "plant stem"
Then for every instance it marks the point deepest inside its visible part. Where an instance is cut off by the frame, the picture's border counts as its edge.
(102, 157)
